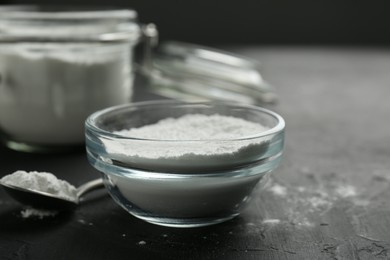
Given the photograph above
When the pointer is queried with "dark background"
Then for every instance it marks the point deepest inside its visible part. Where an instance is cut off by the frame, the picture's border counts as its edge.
(265, 22)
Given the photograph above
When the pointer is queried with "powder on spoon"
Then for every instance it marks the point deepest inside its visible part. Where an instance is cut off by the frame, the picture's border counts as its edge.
(41, 181)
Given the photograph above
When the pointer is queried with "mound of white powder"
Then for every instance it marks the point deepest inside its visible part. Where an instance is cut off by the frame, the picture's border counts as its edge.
(197, 127)
(191, 142)
(41, 181)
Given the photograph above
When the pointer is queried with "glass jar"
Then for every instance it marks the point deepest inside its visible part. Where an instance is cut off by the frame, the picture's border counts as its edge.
(59, 66)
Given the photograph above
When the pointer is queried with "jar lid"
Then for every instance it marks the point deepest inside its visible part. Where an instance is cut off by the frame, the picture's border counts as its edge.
(192, 72)
(65, 12)
(67, 24)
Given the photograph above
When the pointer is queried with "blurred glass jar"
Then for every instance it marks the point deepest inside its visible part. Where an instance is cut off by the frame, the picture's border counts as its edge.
(59, 66)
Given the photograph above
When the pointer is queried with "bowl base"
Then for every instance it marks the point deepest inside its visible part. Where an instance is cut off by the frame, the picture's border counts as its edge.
(183, 222)
(177, 222)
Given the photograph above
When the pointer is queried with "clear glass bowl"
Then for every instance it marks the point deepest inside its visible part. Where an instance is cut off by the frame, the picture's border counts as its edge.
(191, 190)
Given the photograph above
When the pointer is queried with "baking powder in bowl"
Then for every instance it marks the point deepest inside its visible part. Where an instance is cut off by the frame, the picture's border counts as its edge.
(184, 164)
(209, 142)
(197, 127)
(199, 144)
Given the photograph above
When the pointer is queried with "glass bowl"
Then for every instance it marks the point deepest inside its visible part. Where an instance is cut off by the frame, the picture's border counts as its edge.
(194, 188)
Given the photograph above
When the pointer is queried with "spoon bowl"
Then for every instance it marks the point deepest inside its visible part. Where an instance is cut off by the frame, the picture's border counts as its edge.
(46, 200)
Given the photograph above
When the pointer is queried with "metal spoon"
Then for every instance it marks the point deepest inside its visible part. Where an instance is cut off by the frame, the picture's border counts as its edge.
(45, 200)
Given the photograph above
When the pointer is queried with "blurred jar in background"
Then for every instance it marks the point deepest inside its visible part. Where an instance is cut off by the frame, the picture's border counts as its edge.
(59, 66)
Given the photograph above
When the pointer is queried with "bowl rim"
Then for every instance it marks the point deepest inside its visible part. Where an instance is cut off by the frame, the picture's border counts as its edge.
(90, 122)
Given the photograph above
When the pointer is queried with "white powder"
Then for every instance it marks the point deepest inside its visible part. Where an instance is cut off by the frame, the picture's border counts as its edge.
(345, 191)
(316, 203)
(271, 221)
(197, 127)
(191, 142)
(39, 213)
(48, 90)
(278, 189)
(300, 204)
(41, 181)
(84, 222)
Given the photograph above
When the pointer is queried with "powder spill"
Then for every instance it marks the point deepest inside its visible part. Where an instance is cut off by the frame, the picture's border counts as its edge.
(271, 221)
(302, 204)
(84, 222)
(278, 190)
(345, 191)
(31, 212)
(41, 181)
(319, 202)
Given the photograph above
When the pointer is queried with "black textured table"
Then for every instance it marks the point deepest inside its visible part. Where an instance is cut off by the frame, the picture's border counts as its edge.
(330, 198)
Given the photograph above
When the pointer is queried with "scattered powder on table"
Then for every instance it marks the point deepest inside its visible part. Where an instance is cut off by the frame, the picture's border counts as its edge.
(195, 127)
(278, 190)
(271, 221)
(345, 191)
(39, 213)
(41, 181)
(301, 204)
(84, 222)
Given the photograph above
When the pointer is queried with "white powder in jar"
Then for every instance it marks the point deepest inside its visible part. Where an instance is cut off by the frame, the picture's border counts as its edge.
(191, 142)
(48, 90)
(41, 181)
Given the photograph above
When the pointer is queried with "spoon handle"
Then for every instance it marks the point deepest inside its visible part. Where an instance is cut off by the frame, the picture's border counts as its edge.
(89, 186)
